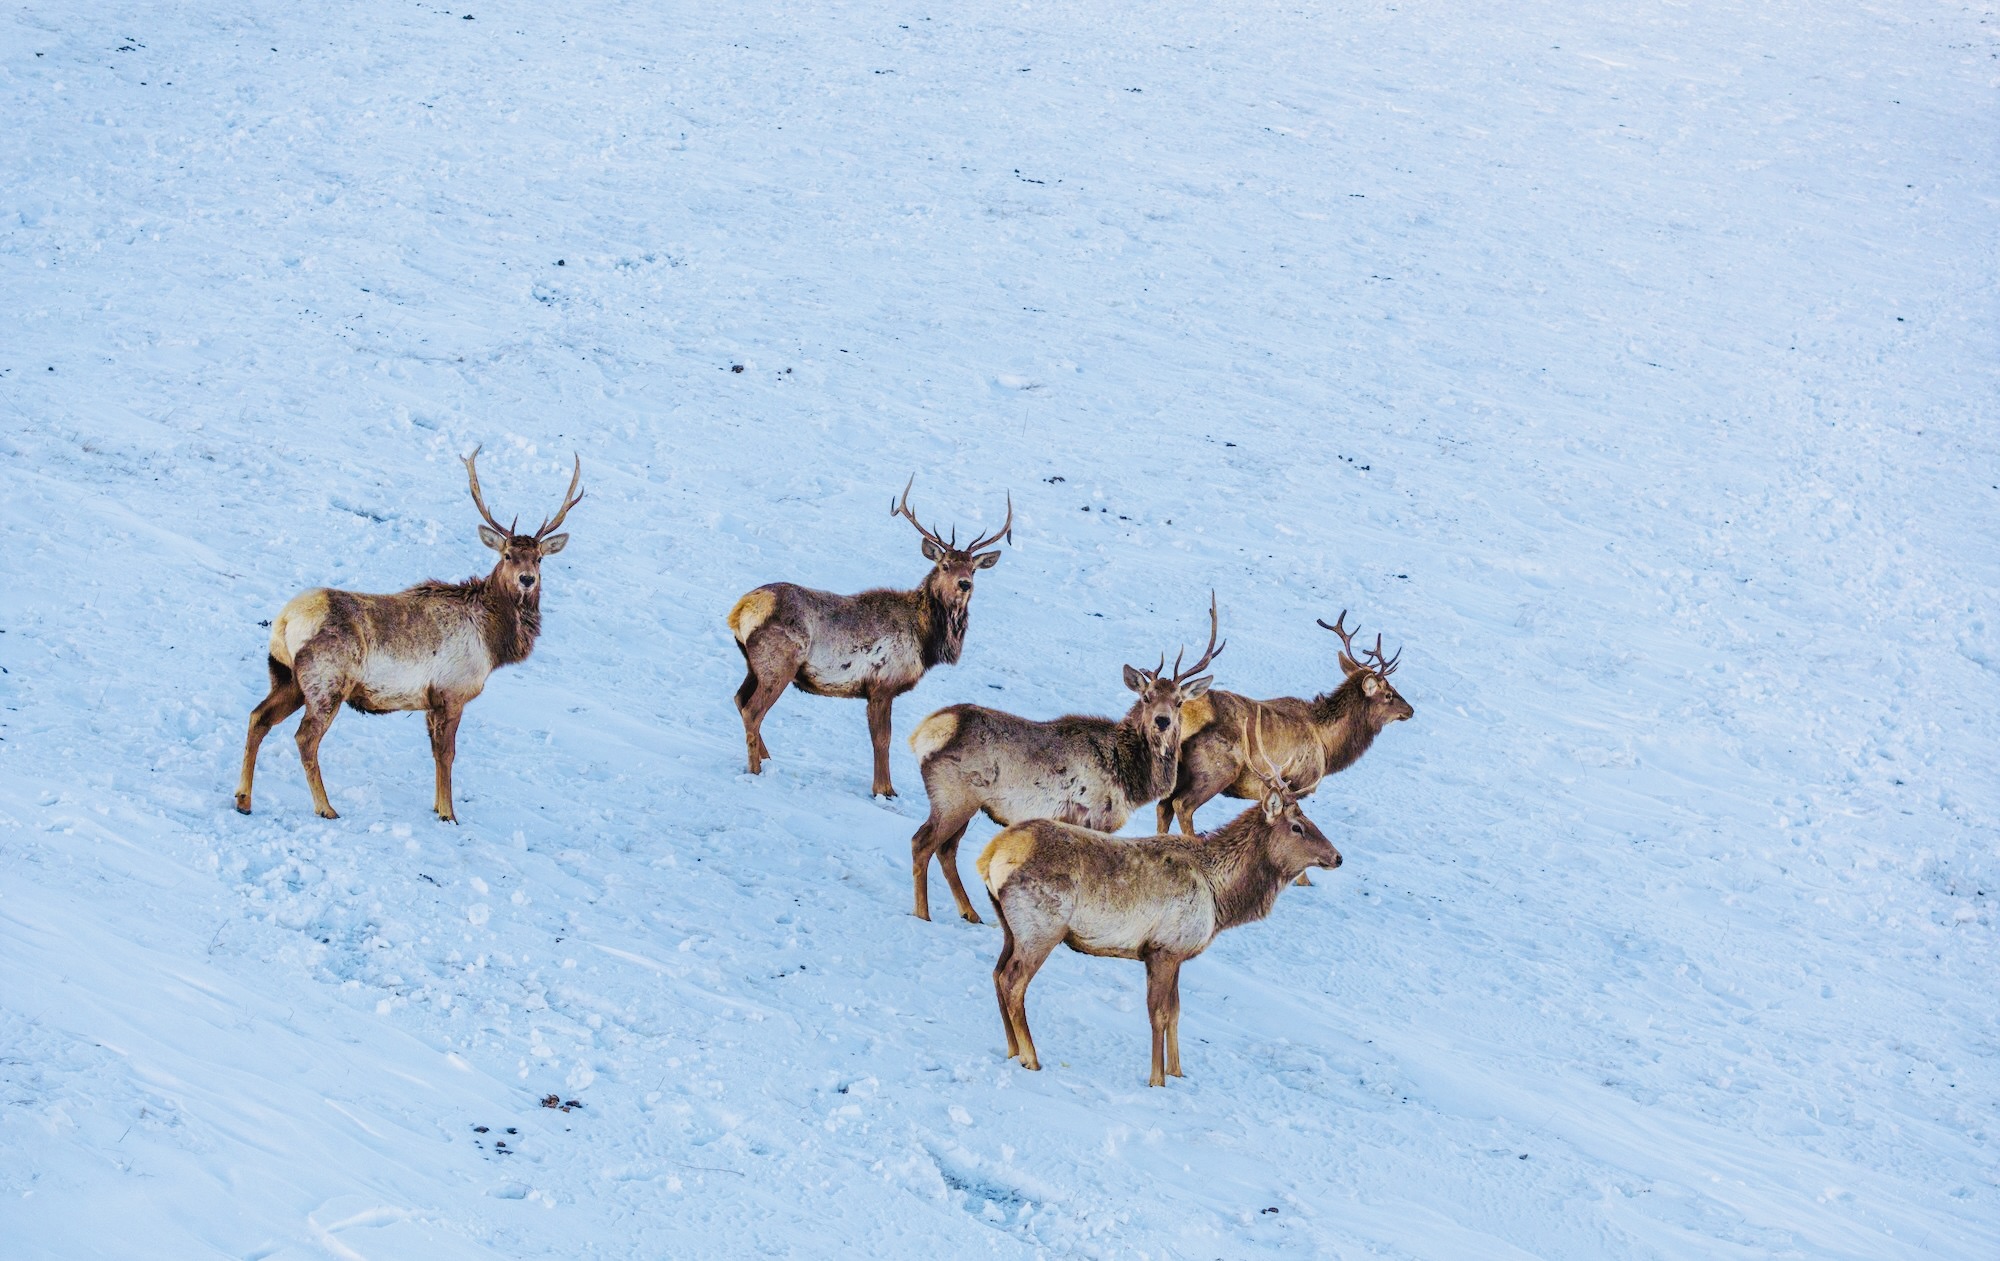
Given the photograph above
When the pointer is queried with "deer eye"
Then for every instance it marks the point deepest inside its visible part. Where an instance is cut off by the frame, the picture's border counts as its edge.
(1297, 830)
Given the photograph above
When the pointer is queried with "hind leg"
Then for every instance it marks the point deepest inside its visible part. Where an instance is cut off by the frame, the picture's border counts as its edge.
(999, 983)
(948, 859)
(1026, 960)
(322, 684)
(755, 740)
(774, 658)
(1200, 781)
(283, 701)
(929, 839)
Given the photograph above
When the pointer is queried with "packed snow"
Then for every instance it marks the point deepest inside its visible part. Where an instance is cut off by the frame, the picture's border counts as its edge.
(1632, 367)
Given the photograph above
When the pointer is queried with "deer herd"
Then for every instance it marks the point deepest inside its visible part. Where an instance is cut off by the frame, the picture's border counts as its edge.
(1059, 788)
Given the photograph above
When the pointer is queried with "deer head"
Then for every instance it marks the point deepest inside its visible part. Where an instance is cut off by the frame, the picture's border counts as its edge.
(1385, 704)
(1296, 841)
(519, 571)
(1161, 691)
(950, 582)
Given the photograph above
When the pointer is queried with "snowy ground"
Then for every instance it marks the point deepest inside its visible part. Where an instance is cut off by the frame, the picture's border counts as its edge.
(1632, 365)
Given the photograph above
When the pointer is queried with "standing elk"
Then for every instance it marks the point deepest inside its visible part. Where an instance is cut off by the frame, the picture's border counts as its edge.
(1084, 770)
(429, 648)
(1308, 739)
(1160, 900)
(876, 645)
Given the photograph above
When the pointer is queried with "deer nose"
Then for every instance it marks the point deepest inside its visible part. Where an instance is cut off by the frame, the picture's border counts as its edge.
(965, 584)
(1163, 722)
(527, 580)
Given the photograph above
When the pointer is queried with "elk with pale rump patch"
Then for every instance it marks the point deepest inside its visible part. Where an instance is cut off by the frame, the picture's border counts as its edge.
(429, 648)
(875, 645)
(1307, 739)
(1160, 900)
(1090, 771)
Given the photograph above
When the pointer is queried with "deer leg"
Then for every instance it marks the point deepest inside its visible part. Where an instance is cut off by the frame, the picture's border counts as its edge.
(878, 735)
(1000, 983)
(442, 719)
(948, 859)
(927, 842)
(774, 661)
(284, 700)
(1174, 1026)
(320, 713)
(1162, 975)
(1021, 969)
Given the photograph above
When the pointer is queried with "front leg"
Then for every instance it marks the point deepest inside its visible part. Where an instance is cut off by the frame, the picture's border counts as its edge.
(442, 719)
(878, 735)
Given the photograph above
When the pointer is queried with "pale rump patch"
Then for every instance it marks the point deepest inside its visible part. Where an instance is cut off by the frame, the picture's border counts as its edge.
(932, 734)
(1004, 855)
(297, 622)
(750, 612)
(1195, 715)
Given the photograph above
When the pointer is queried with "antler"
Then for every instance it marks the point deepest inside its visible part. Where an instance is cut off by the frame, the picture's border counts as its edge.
(571, 498)
(1006, 530)
(1368, 658)
(902, 509)
(472, 474)
(1274, 779)
(1214, 649)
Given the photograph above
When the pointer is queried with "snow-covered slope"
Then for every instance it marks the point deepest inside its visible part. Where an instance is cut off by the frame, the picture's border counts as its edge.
(1632, 366)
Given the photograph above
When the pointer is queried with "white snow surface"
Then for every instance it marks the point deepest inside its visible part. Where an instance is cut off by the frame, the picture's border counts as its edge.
(1630, 364)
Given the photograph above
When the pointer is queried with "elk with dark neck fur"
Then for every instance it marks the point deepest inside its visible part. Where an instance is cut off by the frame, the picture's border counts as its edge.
(874, 646)
(428, 648)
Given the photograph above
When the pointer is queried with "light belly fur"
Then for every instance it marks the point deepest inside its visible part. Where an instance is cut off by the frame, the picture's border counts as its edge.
(391, 682)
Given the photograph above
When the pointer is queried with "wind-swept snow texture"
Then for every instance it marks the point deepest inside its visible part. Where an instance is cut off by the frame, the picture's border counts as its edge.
(1632, 366)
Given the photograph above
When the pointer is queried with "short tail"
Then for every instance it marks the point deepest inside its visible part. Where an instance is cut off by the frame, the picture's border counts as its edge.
(750, 612)
(934, 733)
(1004, 855)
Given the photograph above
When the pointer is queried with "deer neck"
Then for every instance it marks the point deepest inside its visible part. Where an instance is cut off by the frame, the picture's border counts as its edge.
(1243, 876)
(940, 627)
(513, 621)
(1142, 775)
(1340, 720)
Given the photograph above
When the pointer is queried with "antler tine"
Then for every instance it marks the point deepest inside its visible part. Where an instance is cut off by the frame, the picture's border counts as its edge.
(478, 501)
(571, 498)
(1214, 649)
(902, 510)
(1273, 778)
(1006, 530)
(1347, 654)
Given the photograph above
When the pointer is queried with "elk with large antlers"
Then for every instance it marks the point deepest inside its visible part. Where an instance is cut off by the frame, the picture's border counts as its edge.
(1160, 900)
(1085, 770)
(1308, 739)
(429, 648)
(875, 645)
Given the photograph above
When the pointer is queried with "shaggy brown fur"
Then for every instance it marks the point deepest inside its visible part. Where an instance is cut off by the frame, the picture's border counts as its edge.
(430, 648)
(1160, 900)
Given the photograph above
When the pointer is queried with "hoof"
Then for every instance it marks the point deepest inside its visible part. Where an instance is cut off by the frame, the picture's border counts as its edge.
(923, 914)
(971, 917)
(328, 813)
(243, 805)
(448, 818)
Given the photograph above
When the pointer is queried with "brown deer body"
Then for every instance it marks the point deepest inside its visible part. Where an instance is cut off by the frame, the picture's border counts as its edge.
(874, 646)
(1085, 770)
(428, 648)
(1306, 739)
(1160, 900)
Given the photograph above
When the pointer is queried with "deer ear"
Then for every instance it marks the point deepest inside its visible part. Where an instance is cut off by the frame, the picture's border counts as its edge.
(1134, 680)
(492, 538)
(1195, 687)
(1274, 805)
(1371, 685)
(554, 543)
(932, 552)
(986, 560)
